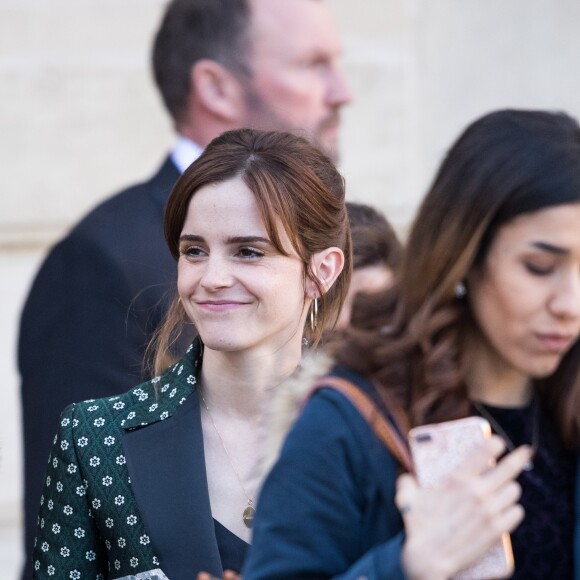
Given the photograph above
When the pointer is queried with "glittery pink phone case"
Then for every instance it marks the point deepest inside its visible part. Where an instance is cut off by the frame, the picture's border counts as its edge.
(439, 449)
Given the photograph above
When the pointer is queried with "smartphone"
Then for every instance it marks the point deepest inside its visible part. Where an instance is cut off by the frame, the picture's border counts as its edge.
(439, 449)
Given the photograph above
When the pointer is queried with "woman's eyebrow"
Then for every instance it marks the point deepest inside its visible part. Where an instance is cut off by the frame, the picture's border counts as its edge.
(190, 238)
(248, 240)
(230, 240)
(550, 248)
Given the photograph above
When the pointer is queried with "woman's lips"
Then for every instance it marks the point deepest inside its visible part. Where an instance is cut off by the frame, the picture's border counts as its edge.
(554, 342)
(219, 305)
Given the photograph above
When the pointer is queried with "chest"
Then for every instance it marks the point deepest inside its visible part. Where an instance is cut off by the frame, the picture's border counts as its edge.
(231, 453)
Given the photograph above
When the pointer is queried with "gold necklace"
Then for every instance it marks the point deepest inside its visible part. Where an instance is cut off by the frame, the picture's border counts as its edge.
(509, 443)
(249, 511)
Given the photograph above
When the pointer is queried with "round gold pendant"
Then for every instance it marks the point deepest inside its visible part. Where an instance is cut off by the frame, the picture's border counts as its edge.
(248, 516)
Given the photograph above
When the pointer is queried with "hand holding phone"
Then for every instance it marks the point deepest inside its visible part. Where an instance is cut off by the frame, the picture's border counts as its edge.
(440, 449)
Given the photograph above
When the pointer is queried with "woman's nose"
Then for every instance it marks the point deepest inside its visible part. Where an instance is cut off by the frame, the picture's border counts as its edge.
(217, 273)
(566, 300)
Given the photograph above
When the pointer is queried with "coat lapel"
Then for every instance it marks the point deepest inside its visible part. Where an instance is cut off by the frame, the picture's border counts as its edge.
(162, 183)
(166, 463)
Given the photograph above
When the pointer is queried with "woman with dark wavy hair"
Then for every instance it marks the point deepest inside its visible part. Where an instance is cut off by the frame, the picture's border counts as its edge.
(484, 320)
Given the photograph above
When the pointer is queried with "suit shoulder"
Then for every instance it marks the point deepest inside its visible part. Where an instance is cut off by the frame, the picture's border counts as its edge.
(144, 201)
(125, 231)
(118, 216)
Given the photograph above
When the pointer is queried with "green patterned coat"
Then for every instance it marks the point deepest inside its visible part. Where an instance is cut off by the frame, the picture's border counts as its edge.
(94, 522)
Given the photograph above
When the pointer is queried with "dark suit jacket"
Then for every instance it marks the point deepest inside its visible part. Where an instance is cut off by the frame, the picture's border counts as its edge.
(126, 488)
(89, 313)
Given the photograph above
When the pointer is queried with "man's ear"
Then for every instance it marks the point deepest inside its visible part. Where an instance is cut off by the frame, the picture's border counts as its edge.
(217, 89)
(327, 266)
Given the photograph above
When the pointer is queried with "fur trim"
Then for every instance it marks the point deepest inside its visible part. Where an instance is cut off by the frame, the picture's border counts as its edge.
(282, 408)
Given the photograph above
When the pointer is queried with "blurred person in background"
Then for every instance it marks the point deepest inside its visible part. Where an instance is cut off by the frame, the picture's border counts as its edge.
(103, 289)
(377, 254)
(484, 319)
(159, 479)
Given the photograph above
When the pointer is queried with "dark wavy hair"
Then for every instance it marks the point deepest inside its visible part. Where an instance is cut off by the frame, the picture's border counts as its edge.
(192, 30)
(294, 184)
(410, 339)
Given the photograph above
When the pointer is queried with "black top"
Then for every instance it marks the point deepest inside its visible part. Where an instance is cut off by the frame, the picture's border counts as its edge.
(542, 543)
(232, 548)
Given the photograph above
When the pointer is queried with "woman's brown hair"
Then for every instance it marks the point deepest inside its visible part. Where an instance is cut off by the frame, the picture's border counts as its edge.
(410, 340)
(293, 182)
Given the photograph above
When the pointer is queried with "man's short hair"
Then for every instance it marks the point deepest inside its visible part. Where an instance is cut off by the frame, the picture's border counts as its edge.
(192, 30)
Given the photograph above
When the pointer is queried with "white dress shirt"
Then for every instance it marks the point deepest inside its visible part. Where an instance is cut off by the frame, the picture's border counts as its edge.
(185, 152)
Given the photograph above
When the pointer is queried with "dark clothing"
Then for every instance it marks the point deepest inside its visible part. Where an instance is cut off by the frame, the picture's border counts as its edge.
(327, 508)
(126, 486)
(88, 316)
(232, 548)
(542, 543)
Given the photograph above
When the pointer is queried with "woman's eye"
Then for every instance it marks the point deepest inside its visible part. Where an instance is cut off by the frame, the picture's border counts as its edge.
(191, 251)
(250, 253)
(538, 270)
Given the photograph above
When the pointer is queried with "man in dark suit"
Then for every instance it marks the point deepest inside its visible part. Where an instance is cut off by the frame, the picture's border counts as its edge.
(219, 64)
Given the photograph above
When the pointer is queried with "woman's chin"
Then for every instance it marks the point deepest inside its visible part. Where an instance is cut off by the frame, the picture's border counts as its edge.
(220, 343)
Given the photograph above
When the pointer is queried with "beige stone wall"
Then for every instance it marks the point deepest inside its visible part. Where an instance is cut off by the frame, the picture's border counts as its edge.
(79, 119)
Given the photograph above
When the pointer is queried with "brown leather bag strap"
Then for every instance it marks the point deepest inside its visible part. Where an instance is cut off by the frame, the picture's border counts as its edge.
(386, 433)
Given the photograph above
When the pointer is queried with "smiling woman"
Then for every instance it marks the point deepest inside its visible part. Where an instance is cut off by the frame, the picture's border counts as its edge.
(484, 319)
(291, 197)
(159, 480)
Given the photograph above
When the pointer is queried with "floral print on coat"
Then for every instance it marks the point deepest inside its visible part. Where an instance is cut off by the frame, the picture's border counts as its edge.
(89, 526)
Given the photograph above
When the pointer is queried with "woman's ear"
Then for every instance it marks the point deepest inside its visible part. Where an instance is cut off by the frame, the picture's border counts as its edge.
(327, 266)
(216, 89)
